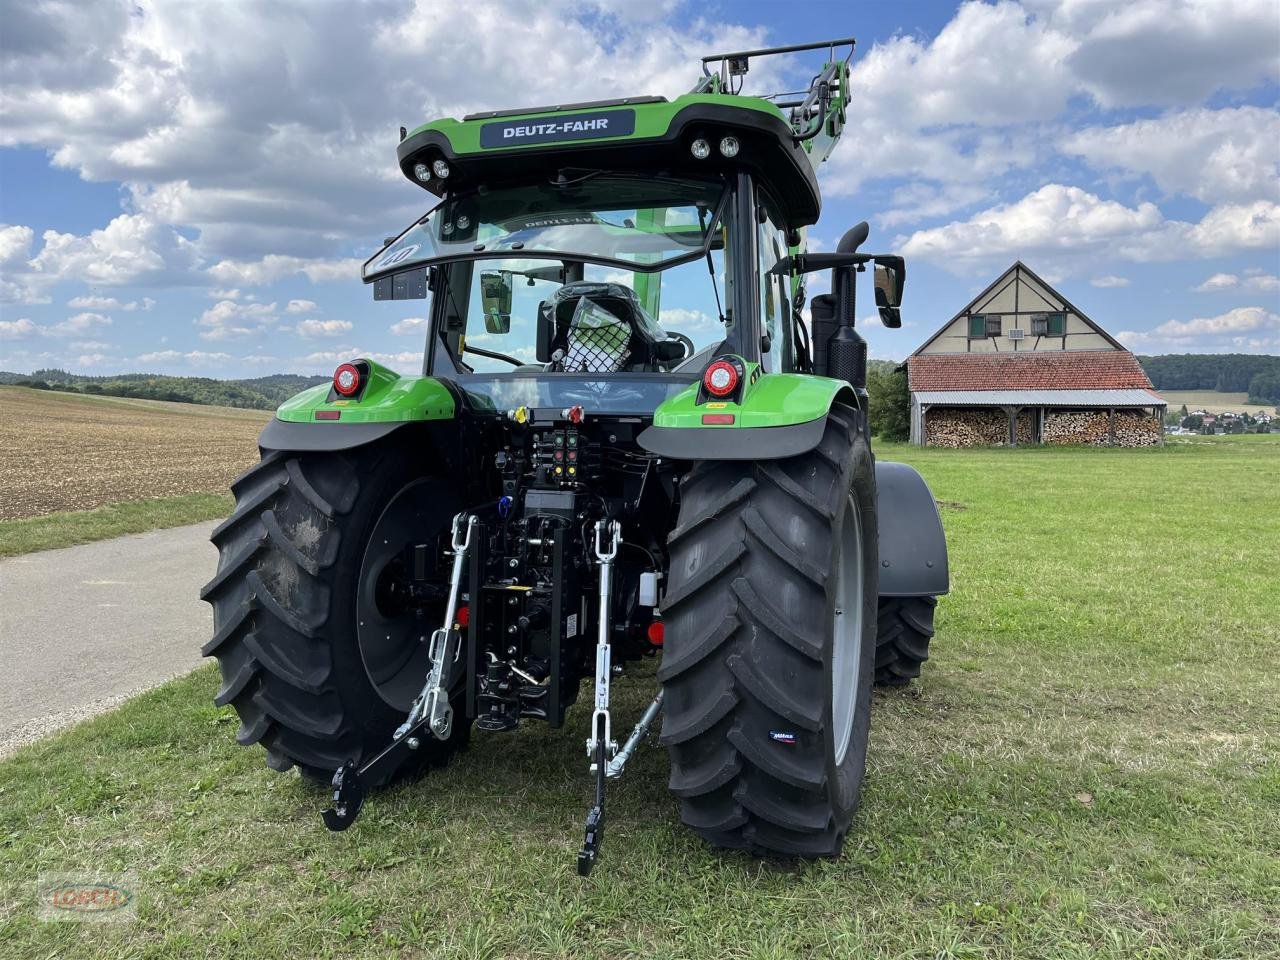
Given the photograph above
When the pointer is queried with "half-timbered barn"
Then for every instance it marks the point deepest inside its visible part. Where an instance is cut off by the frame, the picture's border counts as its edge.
(1021, 364)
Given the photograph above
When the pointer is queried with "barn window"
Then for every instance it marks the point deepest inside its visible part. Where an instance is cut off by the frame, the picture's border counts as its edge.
(1049, 325)
(977, 326)
(993, 326)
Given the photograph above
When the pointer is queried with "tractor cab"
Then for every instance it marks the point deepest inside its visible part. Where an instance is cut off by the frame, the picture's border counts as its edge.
(606, 253)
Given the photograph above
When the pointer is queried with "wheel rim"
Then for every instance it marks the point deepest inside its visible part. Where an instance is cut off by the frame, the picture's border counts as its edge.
(393, 613)
(846, 632)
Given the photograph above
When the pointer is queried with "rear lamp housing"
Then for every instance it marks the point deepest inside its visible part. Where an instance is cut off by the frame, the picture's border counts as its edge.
(347, 380)
(721, 378)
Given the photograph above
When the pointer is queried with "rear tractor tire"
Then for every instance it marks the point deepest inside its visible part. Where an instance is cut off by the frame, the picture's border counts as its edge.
(902, 644)
(770, 616)
(317, 629)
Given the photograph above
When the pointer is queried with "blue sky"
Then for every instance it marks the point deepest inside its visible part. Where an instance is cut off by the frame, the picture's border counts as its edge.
(189, 188)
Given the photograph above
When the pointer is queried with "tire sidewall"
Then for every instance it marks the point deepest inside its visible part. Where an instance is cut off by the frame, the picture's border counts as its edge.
(844, 779)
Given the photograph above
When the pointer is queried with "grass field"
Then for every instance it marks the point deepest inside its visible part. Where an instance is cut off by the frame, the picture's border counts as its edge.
(80, 453)
(1089, 768)
(1214, 402)
(69, 527)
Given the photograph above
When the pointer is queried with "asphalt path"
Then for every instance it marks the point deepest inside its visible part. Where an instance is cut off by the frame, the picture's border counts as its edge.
(84, 627)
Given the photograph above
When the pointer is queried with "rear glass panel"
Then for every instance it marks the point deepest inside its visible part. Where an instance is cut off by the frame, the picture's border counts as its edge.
(641, 223)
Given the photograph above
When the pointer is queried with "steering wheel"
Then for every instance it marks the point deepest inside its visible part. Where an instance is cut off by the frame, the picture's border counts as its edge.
(689, 348)
(492, 355)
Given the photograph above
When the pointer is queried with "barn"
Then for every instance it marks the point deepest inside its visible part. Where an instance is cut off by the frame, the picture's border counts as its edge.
(1021, 364)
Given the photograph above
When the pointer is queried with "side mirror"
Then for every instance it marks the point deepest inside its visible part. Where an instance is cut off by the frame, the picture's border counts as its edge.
(891, 276)
(495, 301)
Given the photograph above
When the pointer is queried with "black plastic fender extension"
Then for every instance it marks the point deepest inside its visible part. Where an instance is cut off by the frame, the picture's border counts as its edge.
(913, 547)
(308, 437)
(733, 443)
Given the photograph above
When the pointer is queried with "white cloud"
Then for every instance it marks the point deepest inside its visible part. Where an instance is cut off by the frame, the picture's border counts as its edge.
(194, 358)
(1064, 224)
(129, 249)
(682, 320)
(1244, 329)
(1219, 281)
(323, 328)
(18, 284)
(409, 326)
(1264, 282)
(1213, 155)
(19, 329)
(300, 306)
(273, 267)
(79, 323)
(101, 303)
(1108, 282)
(90, 345)
(1165, 51)
(323, 361)
(228, 320)
(15, 243)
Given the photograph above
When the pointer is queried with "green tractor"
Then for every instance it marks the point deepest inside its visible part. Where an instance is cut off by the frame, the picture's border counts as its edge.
(625, 440)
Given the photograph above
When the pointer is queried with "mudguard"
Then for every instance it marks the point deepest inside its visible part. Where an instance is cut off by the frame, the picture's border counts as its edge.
(318, 419)
(913, 548)
(777, 415)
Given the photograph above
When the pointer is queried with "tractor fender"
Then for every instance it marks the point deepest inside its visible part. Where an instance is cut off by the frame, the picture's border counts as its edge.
(777, 415)
(913, 548)
(317, 419)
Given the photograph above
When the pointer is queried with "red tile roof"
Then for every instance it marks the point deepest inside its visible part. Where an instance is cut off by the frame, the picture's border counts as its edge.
(1059, 370)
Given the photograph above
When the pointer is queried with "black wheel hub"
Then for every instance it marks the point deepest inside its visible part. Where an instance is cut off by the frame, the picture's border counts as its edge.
(402, 591)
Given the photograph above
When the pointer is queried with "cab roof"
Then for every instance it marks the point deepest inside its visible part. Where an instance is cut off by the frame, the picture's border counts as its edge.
(634, 134)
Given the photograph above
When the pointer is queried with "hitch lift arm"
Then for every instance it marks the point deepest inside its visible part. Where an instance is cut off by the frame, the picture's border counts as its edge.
(431, 711)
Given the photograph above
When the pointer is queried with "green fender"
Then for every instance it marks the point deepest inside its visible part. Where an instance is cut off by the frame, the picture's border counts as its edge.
(318, 419)
(777, 415)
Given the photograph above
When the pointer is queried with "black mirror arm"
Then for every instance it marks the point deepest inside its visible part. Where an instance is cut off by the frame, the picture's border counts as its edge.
(812, 262)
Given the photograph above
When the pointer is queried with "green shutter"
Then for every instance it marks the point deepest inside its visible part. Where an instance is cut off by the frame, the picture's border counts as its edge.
(977, 326)
(1057, 324)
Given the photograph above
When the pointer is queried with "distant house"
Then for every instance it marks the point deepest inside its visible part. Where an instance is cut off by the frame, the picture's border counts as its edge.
(1020, 364)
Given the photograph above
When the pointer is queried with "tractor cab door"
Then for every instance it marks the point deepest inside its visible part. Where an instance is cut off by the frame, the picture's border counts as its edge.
(777, 353)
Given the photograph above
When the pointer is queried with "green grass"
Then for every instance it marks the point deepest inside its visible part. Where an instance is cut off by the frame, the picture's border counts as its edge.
(1088, 769)
(131, 516)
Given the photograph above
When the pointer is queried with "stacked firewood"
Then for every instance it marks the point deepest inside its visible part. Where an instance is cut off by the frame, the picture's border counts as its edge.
(1092, 427)
(974, 427)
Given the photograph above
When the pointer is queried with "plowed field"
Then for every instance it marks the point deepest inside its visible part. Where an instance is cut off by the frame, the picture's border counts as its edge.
(70, 452)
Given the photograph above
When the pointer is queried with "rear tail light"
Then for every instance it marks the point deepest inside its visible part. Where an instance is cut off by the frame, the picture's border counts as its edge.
(346, 380)
(657, 633)
(720, 379)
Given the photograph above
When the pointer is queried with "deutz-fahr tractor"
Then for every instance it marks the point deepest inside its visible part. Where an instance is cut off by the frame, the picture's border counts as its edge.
(626, 440)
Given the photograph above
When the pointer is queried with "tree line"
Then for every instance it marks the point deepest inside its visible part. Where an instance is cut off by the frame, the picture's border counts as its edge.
(257, 393)
(1254, 374)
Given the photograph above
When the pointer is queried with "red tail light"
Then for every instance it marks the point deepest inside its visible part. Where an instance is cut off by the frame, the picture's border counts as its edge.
(346, 380)
(720, 379)
(657, 633)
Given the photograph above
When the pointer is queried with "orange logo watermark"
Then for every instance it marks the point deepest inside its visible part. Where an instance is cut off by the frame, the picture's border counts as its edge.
(70, 897)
